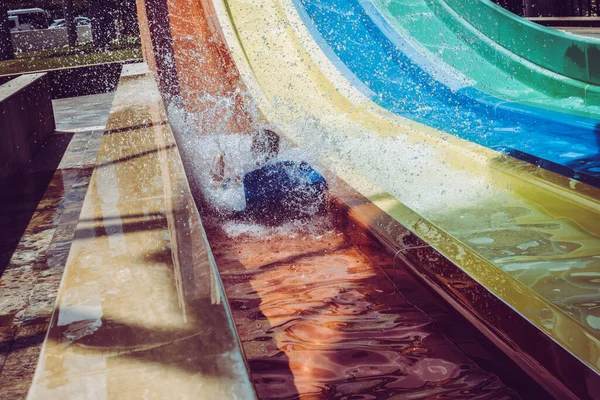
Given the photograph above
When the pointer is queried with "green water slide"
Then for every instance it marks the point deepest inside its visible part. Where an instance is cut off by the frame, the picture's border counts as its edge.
(505, 55)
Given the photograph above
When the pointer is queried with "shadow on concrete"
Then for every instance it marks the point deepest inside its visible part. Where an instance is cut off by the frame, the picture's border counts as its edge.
(21, 194)
(122, 217)
(133, 157)
(135, 127)
(154, 224)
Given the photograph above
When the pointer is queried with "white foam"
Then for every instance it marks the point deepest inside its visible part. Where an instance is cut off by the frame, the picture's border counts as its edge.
(316, 228)
(413, 172)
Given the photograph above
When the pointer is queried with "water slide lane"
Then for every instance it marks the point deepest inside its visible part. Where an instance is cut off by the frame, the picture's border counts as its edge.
(504, 63)
(420, 175)
(568, 55)
(398, 77)
(319, 318)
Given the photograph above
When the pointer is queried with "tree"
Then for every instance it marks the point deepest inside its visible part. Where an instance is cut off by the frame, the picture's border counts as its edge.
(6, 48)
(103, 14)
(128, 17)
(70, 22)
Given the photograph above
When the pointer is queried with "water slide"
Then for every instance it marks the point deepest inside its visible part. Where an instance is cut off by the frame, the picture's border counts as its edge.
(468, 99)
(484, 148)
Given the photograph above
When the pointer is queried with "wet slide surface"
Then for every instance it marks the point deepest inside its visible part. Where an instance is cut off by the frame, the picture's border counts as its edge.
(298, 90)
(318, 319)
(470, 45)
(386, 68)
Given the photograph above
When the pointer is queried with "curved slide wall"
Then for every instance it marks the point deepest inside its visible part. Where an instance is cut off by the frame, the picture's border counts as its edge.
(504, 53)
(568, 55)
(398, 77)
(401, 165)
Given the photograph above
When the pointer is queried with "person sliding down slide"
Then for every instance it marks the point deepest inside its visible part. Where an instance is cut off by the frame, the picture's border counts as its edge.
(276, 191)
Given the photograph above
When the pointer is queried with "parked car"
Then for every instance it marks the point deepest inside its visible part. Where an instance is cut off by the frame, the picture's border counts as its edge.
(26, 19)
(13, 23)
(61, 23)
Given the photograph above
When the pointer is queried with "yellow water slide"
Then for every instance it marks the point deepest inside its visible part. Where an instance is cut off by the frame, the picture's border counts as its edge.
(517, 229)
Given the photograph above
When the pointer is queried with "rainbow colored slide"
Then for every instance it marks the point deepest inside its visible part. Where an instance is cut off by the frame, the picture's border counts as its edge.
(475, 129)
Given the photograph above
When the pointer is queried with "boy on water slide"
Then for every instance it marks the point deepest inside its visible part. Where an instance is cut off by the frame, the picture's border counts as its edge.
(277, 190)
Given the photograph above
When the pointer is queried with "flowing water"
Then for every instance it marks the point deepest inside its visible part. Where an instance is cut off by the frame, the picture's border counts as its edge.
(318, 317)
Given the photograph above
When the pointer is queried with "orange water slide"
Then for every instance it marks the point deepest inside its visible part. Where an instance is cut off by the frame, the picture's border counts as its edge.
(192, 63)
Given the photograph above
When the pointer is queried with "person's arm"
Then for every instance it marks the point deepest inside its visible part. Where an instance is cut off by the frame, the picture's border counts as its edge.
(218, 173)
(217, 170)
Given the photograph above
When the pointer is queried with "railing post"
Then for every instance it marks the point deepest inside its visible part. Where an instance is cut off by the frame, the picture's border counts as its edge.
(6, 48)
(70, 22)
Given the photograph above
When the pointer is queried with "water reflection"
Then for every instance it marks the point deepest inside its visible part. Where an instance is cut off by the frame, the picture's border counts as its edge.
(317, 320)
(549, 256)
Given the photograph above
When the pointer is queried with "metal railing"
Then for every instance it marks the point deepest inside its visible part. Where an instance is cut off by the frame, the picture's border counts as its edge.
(552, 8)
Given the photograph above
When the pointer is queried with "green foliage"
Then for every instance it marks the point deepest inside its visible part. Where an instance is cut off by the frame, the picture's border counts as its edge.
(46, 60)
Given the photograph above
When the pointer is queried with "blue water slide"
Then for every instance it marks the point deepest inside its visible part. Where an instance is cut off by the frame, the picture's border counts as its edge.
(398, 77)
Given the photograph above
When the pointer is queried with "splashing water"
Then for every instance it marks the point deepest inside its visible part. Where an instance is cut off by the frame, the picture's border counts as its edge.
(459, 201)
(201, 147)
